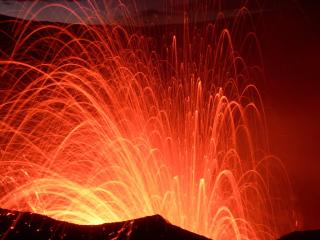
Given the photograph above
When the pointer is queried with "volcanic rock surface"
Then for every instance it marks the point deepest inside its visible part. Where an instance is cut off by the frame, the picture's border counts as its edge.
(302, 235)
(15, 225)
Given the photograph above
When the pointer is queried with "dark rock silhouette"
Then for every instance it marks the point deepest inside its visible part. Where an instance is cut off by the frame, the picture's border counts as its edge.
(302, 235)
(15, 225)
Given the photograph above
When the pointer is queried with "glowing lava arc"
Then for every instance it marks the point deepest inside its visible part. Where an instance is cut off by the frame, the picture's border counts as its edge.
(98, 124)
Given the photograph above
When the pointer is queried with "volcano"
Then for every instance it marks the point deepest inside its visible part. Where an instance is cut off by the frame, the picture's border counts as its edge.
(25, 226)
(302, 235)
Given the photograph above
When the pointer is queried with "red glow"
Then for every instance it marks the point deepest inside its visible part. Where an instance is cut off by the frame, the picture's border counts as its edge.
(105, 127)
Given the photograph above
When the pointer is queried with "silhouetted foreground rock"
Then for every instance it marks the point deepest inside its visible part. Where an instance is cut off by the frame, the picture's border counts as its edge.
(302, 235)
(16, 225)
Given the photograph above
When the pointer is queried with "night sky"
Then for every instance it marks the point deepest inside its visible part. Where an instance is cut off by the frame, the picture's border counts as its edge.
(290, 41)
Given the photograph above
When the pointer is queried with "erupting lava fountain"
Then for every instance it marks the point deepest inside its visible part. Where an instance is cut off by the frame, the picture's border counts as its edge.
(112, 120)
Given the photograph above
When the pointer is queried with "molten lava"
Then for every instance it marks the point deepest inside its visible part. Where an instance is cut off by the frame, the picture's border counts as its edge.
(107, 123)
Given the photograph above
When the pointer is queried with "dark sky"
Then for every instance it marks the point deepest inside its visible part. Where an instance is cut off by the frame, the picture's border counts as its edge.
(290, 40)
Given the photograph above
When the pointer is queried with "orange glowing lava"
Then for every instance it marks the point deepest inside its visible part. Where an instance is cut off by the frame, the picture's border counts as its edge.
(102, 123)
